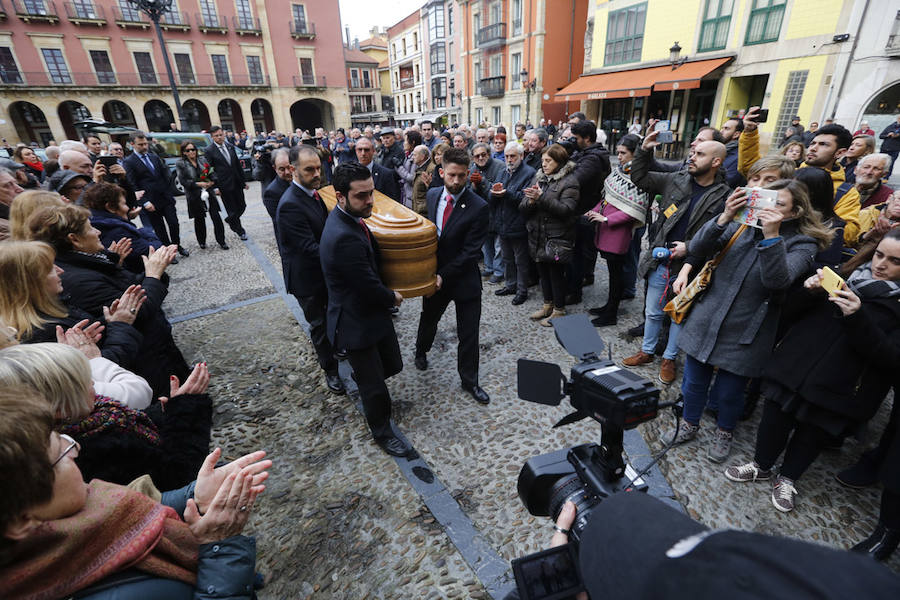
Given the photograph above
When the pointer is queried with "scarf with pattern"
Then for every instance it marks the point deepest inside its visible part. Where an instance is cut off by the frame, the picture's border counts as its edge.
(110, 415)
(864, 286)
(623, 194)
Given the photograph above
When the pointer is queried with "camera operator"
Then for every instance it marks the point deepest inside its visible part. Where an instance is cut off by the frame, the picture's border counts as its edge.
(115, 173)
(264, 168)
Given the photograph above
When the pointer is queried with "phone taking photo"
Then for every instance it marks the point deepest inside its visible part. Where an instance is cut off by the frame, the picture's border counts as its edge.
(762, 116)
(831, 281)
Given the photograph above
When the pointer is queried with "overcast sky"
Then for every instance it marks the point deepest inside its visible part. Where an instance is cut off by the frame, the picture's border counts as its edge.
(362, 15)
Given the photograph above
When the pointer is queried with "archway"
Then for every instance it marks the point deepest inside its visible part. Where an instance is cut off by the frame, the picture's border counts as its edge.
(196, 115)
(30, 123)
(71, 112)
(158, 115)
(230, 115)
(311, 113)
(116, 111)
(261, 111)
(882, 109)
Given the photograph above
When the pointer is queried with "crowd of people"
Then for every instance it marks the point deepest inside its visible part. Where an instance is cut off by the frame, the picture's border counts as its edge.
(94, 387)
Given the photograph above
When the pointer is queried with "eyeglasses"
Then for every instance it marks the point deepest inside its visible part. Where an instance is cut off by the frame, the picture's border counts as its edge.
(480, 155)
(73, 445)
(190, 149)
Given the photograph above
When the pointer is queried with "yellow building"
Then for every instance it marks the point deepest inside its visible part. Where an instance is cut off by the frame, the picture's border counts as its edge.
(696, 62)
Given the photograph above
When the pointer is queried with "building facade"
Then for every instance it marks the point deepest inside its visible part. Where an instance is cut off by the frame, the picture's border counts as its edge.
(716, 59)
(515, 54)
(439, 20)
(364, 87)
(376, 47)
(61, 62)
(405, 48)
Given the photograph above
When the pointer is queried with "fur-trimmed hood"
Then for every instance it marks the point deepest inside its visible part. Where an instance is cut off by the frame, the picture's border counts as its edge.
(567, 168)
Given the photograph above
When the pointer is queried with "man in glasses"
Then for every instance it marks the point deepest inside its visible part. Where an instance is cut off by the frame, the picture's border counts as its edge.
(485, 172)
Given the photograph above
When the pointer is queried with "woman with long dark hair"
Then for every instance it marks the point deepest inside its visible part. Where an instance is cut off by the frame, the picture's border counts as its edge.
(196, 177)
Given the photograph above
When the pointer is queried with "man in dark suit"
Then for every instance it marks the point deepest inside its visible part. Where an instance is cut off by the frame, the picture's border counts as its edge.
(229, 178)
(146, 171)
(385, 179)
(461, 217)
(301, 218)
(359, 318)
(284, 174)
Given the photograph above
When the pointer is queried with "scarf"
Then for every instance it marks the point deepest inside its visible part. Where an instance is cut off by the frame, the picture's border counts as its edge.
(111, 416)
(625, 196)
(37, 166)
(117, 528)
(867, 288)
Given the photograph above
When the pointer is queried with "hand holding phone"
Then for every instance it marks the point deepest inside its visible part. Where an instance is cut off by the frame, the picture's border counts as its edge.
(831, 281)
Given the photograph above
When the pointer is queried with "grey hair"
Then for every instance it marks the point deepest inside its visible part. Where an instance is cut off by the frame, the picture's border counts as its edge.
(482, 146)
(422, 149)
(520, 150)
(280, 152)
(884, 158)
(541, 134)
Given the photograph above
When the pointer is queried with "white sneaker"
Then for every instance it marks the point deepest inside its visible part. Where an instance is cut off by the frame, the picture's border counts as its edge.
(783, 492)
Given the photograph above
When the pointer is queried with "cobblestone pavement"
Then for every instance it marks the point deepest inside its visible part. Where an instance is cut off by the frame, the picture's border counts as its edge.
(340, 520)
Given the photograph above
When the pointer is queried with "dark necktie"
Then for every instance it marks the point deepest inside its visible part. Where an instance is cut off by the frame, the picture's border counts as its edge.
(225, 154)
(365, 230)
(319, 203)
(448, 208)
(146, 159)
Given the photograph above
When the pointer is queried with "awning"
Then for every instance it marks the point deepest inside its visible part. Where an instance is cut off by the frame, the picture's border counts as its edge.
(433, 117)
(639, 82)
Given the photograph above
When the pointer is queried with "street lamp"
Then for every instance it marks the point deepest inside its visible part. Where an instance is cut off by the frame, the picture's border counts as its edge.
(528, 85)
(675, 58)
(155, 9)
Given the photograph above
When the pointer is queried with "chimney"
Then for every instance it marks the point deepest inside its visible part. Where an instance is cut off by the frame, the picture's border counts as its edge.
(347, 30)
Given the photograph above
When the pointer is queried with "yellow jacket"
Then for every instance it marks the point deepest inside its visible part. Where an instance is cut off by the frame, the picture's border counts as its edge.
(748, 150)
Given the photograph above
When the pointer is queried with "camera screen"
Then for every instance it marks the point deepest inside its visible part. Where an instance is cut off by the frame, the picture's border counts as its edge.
(548, 575)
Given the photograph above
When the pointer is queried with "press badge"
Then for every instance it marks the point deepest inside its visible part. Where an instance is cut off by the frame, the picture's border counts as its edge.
(670, 211)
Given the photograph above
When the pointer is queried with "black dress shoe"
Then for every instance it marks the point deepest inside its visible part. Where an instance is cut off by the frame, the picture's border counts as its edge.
(587, 281)
(505, 291)
(421, 362)
(573, 299)
(334, 383)
(202, 246)
(604, 320)
(224, 246)
(519, 299)
(243, 236)
(395, 310)
(598, 310)
(861, 475)
(481, 396)
(637, 331)
(881, 544)
(183, 252)
(394, 446)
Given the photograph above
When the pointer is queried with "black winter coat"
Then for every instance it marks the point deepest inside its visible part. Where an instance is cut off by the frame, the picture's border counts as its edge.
(508, 219)
(591, 169)
(552, 217)
(93, 283)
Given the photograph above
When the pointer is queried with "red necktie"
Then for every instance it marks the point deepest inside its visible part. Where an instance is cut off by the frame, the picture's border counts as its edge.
(365, 230)
(316, 195)
(448, 208)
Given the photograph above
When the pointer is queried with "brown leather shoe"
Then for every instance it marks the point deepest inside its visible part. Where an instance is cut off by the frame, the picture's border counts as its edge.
(641, 358)
(667, 371)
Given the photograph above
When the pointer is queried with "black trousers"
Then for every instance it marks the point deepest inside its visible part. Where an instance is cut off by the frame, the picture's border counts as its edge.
(371, 366)
(468, 319)
(800, 450)
(553, 283)
(315, 308)
(218, 226)
(159, 218)
(235, 205)
(615, 264)
(584, 256)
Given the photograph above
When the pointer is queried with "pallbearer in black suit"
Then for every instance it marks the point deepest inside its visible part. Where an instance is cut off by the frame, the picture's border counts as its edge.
(229, 177)
(461, 218)
(301, 216)
(284, 175)
(359, 318)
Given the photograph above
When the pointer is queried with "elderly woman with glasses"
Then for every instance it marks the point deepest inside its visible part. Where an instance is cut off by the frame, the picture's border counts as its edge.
(196, 176)
(61, 537)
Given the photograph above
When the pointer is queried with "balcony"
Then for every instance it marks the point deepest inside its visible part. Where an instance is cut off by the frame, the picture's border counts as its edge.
(492, 35)
(303, 30)
(246, 25)
(84, 13)
(361, 86)
(406, 83)
(130, 18)
(493, 87)
(212, 23)
(36, 11)
(110, 79)
(175, 21)
(310, 81)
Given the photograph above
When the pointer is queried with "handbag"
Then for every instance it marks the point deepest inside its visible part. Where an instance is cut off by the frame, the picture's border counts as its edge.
(558, 250)
(679, 307)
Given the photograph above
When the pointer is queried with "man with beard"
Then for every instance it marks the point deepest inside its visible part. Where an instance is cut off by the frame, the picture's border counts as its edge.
(359, 317)
(870, 171)
(731, 131)
(428, 137)
(690, 198)
(485, 172)
(461, 219)
(826, 149)
(535, 142)
(300, 217)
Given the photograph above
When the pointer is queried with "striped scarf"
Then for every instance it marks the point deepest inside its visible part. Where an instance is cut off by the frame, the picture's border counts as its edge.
(867, 288)
(109, 415)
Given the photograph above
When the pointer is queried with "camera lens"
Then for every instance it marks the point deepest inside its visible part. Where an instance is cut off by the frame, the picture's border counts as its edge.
(572, 489)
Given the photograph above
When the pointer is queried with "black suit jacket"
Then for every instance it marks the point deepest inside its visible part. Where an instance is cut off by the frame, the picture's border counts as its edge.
(272, 196)
(358, 301)
(157, 184)
(301, 219)
(459, 245)
(228, 176)
(386, 181)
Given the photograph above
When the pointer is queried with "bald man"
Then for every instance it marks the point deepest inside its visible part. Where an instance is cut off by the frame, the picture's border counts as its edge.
(690, 198)
(73, 160)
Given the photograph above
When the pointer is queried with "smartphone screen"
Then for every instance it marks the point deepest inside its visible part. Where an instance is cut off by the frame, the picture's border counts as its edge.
(762, 115)
(108, 161)
(548, 575)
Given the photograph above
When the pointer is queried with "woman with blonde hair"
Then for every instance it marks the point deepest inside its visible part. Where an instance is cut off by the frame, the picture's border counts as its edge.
(119, 444)
(25, 205)
(795, 151)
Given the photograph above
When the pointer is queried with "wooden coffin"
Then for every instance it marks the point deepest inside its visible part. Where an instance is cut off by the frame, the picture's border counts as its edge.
(408, 243)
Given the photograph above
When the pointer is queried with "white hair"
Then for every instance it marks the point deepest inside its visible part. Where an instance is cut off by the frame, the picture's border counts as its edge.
(422, 149)
(519, 149)
(72, 145)
(884, 158)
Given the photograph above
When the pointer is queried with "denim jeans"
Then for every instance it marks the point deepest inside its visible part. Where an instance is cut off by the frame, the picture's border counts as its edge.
(493, 258)
(727, 392)
(631, 262)
(654, 315)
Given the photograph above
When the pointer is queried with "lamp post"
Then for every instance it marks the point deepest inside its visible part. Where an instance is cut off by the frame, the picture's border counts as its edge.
(675, 58)
(528, 85)
(155, 9)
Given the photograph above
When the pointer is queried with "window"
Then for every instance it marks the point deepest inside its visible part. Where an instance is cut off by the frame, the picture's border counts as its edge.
(254, 68)
(438, 59)
(415, 41)
(476, 68)
(35, 7)
(418, 74)
(102, 66)
(367, 79)
(450, 19)
(476, 25)
(716, 20)
(496, 12)
(300, 18)
(436, 23)
(208, 12)
(130, 13)
(496, 65)
(84, 9)
(517, 17)
(306, 71)
(793, 93)
(403, 41)
(9, 71)
(244, 14)
(145, 67)
(220, 68)
(479, 115)
(625, 35)
(515, 70)
(450, 52)
(172, 16)
(765, 21)
(185, 68)
(354, 78)
(439, 92)
(56, 65)
(515, 114)
(495, 115)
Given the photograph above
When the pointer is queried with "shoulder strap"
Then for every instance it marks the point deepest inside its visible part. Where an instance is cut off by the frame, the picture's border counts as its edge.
(718, 258)
(842, 189)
